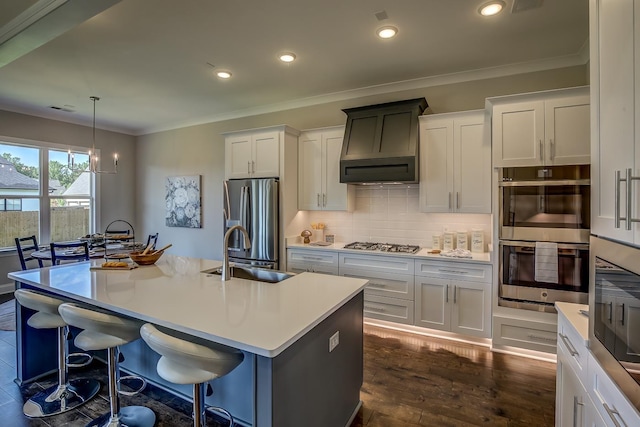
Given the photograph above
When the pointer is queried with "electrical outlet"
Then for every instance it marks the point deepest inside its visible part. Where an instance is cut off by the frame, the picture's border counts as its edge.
(334, 341)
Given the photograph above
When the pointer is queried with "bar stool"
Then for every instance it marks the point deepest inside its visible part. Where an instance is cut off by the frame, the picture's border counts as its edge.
(187, 362)
(108, 331)
(67, 394)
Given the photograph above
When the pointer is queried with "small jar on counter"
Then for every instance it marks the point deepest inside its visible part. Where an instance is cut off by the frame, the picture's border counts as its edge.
(437, 241)
(462, 241)
(448, 241)
(477, 240)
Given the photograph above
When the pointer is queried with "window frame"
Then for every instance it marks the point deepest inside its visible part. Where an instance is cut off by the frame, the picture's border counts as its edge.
(43, 194)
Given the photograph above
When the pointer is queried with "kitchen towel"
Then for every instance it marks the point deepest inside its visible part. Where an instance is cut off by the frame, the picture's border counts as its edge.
(546, 260)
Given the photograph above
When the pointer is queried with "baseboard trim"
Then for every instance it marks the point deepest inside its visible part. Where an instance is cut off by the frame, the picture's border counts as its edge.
(7, 288)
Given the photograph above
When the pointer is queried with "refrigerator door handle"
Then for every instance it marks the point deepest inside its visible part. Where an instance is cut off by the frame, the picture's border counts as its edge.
(245, 212)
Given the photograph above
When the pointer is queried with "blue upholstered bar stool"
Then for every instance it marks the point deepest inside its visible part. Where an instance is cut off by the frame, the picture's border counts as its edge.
(101, 331)
(188, 362)
(67, 394)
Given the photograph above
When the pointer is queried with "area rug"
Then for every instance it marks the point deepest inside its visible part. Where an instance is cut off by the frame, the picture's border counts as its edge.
(8, 316)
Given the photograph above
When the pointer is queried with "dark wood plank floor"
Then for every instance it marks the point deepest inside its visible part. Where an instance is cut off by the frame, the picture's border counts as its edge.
(409, 380)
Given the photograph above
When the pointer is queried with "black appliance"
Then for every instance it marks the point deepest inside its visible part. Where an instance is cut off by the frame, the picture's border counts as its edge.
(381, 143)
(614, 313)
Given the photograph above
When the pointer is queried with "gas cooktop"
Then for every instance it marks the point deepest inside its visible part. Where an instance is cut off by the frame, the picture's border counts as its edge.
(383, 247)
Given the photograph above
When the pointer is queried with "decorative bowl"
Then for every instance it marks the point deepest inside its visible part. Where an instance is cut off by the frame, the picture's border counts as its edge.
(147, 259)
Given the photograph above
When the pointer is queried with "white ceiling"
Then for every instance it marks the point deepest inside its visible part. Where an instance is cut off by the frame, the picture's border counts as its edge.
(152, 61)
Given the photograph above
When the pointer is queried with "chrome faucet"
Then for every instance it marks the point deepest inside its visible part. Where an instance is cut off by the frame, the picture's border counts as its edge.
(226, 273)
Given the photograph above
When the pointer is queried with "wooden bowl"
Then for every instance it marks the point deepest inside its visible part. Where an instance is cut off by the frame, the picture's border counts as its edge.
(147, 259)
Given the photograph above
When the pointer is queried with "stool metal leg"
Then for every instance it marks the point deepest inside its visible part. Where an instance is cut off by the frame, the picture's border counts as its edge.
(64, 396)
(199, 415)
(129, 416)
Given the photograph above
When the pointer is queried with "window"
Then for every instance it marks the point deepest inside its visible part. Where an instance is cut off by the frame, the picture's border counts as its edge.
(45, 191)
(10, 204)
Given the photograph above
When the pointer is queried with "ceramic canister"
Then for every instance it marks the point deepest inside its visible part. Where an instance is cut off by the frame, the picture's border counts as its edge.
(462, 240)
(448, 243)
(437, 241)
(477, 240)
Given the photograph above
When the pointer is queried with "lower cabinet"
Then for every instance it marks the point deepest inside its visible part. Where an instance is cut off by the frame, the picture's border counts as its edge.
(389, 293)
(453, 297)
(311, 260)
(574, 407)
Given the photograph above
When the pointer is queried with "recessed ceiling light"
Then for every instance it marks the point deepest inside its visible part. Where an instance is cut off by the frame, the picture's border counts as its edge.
(224, 74)
(287, 57)
(491, 8)
(387, 32)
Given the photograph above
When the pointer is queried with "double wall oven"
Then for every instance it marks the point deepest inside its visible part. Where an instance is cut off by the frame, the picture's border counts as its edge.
(544, 225)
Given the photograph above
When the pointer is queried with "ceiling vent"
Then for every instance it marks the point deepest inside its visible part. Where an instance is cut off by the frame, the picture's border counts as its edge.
(524, 5)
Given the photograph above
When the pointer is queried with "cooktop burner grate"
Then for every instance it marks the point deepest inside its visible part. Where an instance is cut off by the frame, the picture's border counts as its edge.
(383, 247)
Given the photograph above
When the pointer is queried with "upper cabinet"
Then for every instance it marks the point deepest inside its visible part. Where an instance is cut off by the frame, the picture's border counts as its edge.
(541, 129)
(255, 153)
(455, 163)
(319, 186)
(615, 92)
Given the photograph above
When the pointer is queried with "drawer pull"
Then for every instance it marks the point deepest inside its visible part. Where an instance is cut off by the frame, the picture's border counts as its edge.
(311, 258)
(444, 270)
(612, 414)
(376, 309)
(540, 338)
(377, 285)
(567, 343)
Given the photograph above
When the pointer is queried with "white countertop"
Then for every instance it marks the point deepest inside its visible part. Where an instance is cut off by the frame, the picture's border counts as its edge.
(261, 318)
(482, 257)
(579, 321)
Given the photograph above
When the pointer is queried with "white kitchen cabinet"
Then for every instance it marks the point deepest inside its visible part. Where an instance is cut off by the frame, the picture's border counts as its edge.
(453, 297)
(389, 293)
(615, 141)
(257, 153)
(455, 163)
(541, 129)
(315, 261)
(319, 186)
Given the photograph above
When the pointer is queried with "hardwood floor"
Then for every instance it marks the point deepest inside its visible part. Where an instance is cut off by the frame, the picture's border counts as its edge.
(409, 380)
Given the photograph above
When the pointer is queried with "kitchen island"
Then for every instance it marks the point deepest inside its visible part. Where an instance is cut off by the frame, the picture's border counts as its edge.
(289, 375)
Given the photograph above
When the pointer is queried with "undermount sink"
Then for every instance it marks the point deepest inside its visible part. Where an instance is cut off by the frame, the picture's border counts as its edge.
(258, 274)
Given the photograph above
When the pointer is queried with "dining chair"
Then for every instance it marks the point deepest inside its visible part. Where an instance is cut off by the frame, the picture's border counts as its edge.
(69, 251)
(152, 239)
(25, 247)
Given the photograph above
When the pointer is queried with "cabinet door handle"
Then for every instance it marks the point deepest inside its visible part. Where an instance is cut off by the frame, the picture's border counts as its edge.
(324, 200)
(443, 270)
(318, 199)
(447, 294)
(629, 197)
(612, 414)
(449, 200)
(253, 166)
(616, 204)
(552, 149)
(567, 343)
(311, 258)
(576, 404)
(457, 200)
(541, 151)
(249, 167)
(455, 293)
(610, 316)
(621, 313)
(376, 285)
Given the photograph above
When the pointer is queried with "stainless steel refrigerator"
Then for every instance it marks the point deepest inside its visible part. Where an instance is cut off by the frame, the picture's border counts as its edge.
(253, 204)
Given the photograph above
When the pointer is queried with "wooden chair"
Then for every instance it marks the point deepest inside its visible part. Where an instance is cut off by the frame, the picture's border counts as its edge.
(25, 247)
(74, 251)
(153, 238)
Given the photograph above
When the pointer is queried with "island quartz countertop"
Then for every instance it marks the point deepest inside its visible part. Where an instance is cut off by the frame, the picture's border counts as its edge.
(261, 318)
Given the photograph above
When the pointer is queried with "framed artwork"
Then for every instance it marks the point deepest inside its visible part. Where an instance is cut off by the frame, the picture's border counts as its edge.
(182, 201)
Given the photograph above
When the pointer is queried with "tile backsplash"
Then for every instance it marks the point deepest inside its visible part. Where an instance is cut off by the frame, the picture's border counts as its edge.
(390, 213)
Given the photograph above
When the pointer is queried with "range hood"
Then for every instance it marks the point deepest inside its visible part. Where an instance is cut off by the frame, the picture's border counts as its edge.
(381, 143)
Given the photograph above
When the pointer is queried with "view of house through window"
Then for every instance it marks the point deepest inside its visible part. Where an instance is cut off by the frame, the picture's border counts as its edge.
(44, 192)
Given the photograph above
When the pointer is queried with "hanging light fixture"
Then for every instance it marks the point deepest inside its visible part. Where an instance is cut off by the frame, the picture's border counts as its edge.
(94, 160)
